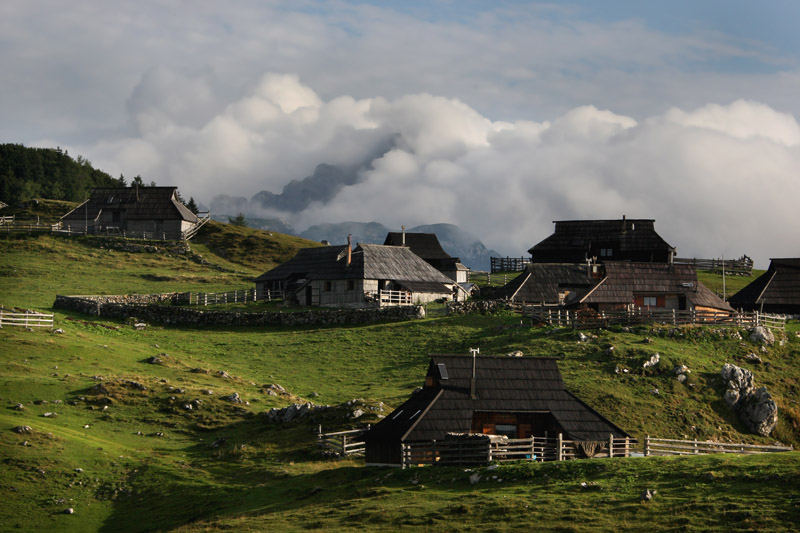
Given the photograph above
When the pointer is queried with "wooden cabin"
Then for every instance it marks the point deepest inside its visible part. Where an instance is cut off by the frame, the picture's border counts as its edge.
(371, 275)
(427, 246)
(496, 395)
(657, 286)
(554, 284)
(613, 286)
(151, 212)
(576, 241)
(775, 291)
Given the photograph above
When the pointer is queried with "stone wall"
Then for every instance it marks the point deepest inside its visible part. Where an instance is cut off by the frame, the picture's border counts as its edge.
(149, 308)
(478, 306)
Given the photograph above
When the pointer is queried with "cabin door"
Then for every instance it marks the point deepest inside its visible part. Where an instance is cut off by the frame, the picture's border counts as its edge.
(308, 295)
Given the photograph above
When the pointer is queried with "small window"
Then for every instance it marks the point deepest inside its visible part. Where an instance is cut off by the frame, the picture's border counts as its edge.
(328, 286)
(509, 430)
(605, 252)
(351, 285)
(650, 301)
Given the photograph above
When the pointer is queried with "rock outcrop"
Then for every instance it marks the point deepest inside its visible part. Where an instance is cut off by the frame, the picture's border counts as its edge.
(755, 407)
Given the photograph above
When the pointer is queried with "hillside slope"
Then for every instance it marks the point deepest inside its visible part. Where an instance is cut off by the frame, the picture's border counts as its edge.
(124, 440)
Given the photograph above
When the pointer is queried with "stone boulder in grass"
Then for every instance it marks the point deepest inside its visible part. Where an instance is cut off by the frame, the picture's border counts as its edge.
(755, 407)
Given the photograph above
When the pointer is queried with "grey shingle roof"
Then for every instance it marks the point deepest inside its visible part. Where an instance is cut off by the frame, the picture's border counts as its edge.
(503, 384)
(622, 281)
(139, 203)
(542, 282)
(575, 240)
(778, 289)
(369, 261)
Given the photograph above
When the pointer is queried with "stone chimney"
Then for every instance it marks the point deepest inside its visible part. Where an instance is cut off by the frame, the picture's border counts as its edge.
(349, 250)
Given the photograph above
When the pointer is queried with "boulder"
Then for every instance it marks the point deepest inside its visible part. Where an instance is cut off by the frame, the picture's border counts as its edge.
(653, 361)
(234, 398)
(755, 407)
(762, 335)
(753, 358)
(759, 412)
(515, 353)
(23, 429)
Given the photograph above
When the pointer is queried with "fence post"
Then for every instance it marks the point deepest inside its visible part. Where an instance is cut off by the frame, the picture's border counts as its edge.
(694, 444)
(402, 456)
(627, 446)
(559, 449)
(647, 445)
(344, 445)
(674, 318)
(1, 318)
(611, 445)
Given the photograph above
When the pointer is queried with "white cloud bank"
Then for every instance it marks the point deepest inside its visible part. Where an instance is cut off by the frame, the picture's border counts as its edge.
(720, 179)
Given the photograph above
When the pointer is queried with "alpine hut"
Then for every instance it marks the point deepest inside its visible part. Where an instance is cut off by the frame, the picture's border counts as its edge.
(371, 275)
(149, 212)
(657, 286)
(517, 397)
(575, 241)
(427, 246)
(775, 291)
(614, 286)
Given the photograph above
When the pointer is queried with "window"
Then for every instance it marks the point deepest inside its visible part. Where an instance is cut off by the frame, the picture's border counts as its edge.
(328, 286)
(605, 252)
(509, 430)
(351, 285)
(115, 216)
(650, 301)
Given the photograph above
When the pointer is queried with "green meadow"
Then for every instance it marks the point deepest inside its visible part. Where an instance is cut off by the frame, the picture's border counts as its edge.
(126, 454)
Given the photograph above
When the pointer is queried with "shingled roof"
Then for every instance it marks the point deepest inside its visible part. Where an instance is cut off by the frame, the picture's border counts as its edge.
(503, 384)
(576, 240)
(623, 280)
(368, 261)
(776, 290)
(543, 282)
(425, 245)
(139, 203)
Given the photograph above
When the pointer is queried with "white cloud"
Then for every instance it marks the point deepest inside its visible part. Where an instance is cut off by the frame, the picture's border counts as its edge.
(720, 179)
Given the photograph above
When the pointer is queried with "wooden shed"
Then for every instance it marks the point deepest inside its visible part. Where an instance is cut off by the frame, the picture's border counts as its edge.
(427, 246)
(775, 291)
(552, 283)
(496, 395)
(369, 275)
(575, 241)
(151, 212)
(653, 285)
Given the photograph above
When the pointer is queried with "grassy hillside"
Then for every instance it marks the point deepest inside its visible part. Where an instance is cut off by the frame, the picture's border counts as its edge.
(147, 462)
(253, 248)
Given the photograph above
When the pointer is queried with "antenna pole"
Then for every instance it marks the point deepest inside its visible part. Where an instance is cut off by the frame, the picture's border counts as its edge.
(472, 392)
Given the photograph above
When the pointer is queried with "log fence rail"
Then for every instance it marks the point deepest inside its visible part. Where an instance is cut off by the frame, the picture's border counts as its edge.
(28, 319)
(642, 315)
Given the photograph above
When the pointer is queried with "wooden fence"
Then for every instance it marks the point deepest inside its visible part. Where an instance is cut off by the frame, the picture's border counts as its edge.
(203, 219)
(509, 264)
(484, 451)
(736, 267)
(653, 446)
(28, 319)
(228, 297)
(343, 443)
(390, 298)
(7, 220)
(589, 319)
